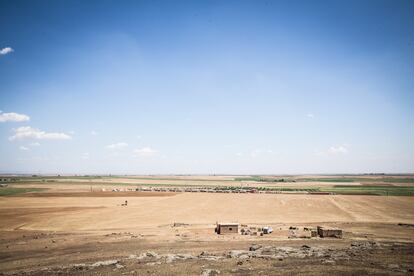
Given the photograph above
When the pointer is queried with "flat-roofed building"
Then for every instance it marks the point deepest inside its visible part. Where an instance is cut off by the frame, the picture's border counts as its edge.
(329, 232)
(227, 228)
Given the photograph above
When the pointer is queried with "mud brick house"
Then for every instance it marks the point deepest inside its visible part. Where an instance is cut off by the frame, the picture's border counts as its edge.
(329, 232)
(227, 228)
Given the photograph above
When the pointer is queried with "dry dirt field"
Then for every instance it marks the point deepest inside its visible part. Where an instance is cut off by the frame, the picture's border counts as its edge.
(70, 230)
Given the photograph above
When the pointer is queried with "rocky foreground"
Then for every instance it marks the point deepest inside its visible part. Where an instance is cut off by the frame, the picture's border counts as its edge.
(366, 257)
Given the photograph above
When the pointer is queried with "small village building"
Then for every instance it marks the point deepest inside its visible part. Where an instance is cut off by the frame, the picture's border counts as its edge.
(329, 232)
(313, 231)
(227, 228)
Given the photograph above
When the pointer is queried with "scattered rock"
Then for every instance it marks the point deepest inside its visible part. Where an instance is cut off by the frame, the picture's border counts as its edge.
(365, 245)
(104, 263)
(237, 253)
(154, 263)
(241, 270)
(209, 272)
(119, 266)
(152, 254)
(244, 257)
(129, 272)
(267, 257)
(393, 266)
(209, 257)
(204, 253)
(328, 261)
(184, 256)
(169, 258)
(255, 247)
(79, 266)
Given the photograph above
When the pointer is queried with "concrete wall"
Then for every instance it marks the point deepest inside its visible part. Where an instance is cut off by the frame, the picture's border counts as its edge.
(329, 232)
(228, 229)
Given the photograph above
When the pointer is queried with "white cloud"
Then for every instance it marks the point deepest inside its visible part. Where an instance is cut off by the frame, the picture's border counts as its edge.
(146, 152)
(338, 150)
(35, 144)
(85, 155)
(94, 133)
(255, 153)
(6, 50)
(34, 133)
(310, 115)
(13, 117)
(117, 146)
(24, 148)
(333, 150)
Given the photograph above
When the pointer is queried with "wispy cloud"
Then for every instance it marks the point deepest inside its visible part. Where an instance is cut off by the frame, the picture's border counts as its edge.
(23, 148)
(35, 144)
(117, 146)
(338, 150)
(333, 150)
(94, 133)
(146, 152)
(310, 115)
(6, 50)
(34, 133)
(13, 117)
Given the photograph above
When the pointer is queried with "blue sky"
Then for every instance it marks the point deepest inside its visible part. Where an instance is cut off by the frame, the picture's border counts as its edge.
(223, 87)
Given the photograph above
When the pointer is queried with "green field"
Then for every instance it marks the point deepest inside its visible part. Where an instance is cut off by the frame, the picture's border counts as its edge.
(360, 179)
(171, 178)
(398, 180)
(370, 190)
(15, 191)
(339, 190)
(327, 179)
(378, 185)
(263, 179)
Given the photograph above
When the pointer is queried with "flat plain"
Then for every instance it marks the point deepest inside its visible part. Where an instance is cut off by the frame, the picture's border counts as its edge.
(79, 225)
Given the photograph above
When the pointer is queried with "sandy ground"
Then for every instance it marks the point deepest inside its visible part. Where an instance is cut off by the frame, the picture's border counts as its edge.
(49, 233)
(197, 208)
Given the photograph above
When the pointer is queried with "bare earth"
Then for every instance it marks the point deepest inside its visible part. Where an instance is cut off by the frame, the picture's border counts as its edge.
(71, 231)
